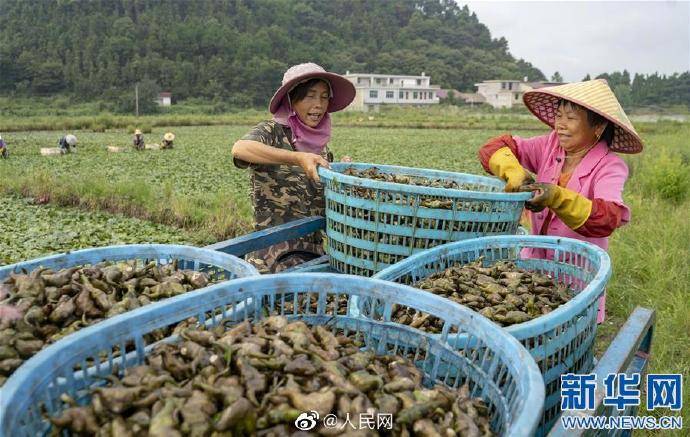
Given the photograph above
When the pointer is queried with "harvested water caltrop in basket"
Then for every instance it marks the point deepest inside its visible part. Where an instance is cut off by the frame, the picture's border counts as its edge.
(501, 292)
(62, 294)
(258, 354)
(58, 303)
(378, 215)
(426, 202)
(557, 289)
(259, 378)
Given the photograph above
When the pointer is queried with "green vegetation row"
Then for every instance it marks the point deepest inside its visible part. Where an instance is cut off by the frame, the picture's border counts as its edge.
(29, 230)
(195, 184)
(63, 114)
(192, 186)
(436, 117)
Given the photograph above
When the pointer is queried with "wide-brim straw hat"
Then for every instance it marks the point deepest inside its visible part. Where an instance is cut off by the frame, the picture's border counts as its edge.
(169, 136)
(137, 132)
(594, 95)
(343, 91)
(71, 140)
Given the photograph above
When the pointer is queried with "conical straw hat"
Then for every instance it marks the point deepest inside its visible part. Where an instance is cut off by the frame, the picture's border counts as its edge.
(594, 95)
(169, 136)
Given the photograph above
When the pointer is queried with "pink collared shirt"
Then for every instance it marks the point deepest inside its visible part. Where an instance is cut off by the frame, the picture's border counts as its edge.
(600, 175)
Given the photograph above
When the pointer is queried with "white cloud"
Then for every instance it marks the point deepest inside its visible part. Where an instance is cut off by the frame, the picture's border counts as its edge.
(576, 38)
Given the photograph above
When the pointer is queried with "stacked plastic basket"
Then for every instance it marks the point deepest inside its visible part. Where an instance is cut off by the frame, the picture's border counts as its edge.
(561, 341)
(494, 365)
(373, 224)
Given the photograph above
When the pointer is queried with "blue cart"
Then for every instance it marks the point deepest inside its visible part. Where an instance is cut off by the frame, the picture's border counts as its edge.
(629, 352)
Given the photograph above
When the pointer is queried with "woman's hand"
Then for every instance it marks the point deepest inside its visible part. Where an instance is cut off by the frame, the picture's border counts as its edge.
(543, 195)
(310, 162)
(506, 166)
(571, 207)
(517, 178)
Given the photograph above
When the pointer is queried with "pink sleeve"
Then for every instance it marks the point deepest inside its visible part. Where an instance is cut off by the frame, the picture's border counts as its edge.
(531, 151)
(608, 185)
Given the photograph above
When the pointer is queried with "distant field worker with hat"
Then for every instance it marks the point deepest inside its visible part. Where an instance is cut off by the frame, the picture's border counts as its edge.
(579, 179)
(168, 139)
(138, 140)
(283, 155)
(67, 143)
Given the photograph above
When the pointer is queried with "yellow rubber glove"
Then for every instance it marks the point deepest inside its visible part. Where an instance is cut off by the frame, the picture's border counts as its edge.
(572, 208)
(506, 166)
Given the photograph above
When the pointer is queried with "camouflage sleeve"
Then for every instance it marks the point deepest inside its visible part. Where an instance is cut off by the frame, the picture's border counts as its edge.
(263, 133)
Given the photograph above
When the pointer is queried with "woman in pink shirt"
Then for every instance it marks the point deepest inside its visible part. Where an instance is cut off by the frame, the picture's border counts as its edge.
(579, 179)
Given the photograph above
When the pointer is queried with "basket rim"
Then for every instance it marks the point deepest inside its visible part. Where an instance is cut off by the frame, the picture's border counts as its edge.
(333, 174)
(517, 358)
(543, 323)
(72, 258)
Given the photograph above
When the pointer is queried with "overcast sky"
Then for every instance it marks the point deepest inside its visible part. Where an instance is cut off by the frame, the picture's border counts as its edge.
(576, 38)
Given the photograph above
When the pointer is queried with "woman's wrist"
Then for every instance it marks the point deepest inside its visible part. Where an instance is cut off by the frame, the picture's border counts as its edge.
(294, 158)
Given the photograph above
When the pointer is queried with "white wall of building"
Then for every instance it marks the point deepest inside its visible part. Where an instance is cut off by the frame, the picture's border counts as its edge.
(501, 94)
(378, 89)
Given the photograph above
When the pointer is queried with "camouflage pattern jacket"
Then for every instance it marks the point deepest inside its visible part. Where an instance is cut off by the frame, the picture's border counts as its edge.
(280, 194)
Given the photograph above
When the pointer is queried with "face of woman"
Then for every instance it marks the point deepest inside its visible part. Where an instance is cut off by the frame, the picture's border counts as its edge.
(573, 128)
(312, 108)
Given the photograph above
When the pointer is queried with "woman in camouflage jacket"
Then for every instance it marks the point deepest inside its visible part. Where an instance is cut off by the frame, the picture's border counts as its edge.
(283, 155)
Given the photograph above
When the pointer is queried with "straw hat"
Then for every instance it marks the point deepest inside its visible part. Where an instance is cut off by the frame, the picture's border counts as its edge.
(169, 136)
(594, 95)
(342, 89)
(137, 131)
(71, 140)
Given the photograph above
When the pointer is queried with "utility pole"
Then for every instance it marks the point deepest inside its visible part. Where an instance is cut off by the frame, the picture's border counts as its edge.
(136, 98)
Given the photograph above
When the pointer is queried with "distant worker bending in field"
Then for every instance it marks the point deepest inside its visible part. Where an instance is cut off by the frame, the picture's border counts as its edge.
(168, 139)
(283, 155)
(4, 153)
(138, 140)
(579, 178)
(67, 143)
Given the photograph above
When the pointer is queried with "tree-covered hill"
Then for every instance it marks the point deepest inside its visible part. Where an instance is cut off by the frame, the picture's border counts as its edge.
(237, 50)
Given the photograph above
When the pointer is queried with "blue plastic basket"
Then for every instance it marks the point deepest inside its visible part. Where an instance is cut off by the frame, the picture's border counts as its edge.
(373, 224)
(561, 341)
(497, 368)
(219, 266)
